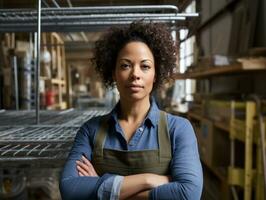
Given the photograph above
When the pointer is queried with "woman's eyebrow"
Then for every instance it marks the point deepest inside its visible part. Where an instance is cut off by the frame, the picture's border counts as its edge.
(128, 60)
(124, 59)
(147, 60)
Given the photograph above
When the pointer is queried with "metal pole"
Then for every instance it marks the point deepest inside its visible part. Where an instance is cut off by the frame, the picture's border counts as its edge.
(37, 96)
(14, 62)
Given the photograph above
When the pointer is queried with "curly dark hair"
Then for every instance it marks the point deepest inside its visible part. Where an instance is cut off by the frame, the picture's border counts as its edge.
(156, 36)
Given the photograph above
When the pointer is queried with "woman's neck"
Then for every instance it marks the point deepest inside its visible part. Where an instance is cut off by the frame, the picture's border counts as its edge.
(134, 111)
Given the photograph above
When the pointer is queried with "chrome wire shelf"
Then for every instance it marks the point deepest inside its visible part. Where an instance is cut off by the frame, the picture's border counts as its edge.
(37, 134)
(24, 144)
(64, 118)
(90, 18)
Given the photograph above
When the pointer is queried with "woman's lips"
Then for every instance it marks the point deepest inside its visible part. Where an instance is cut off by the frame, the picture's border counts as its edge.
(135, 88)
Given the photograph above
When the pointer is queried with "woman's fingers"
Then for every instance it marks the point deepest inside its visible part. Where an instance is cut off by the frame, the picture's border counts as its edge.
(81, 170)
(88, 163)
(85, 168)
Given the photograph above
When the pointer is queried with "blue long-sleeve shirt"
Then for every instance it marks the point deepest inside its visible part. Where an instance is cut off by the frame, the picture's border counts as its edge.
(186, 171)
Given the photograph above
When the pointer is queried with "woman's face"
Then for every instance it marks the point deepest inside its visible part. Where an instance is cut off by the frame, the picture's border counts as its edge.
(134, 71)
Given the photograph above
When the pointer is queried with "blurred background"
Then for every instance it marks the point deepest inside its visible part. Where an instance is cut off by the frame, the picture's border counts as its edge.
(49, 88)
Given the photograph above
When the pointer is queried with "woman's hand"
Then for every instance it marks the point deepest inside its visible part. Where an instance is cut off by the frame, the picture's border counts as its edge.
(85, 168)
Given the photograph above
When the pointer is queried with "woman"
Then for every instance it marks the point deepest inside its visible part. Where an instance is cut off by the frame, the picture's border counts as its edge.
(136, 151)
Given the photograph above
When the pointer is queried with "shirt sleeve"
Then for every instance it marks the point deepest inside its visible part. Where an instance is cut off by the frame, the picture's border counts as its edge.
(186, 169)
(73, 186)
(110, 189)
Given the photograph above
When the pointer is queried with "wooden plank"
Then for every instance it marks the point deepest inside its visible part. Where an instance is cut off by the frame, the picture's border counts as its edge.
(246, 65)
(250, 113)
(211, 71)
(236, 176)
(253, 63)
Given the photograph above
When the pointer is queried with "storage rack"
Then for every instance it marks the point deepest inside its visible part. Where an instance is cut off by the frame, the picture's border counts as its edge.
(86, 19)
(22, 143)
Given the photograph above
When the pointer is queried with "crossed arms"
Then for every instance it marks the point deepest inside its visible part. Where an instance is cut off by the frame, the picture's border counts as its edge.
(133, 186)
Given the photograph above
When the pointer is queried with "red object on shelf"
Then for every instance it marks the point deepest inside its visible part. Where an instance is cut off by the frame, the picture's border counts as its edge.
(49, 97)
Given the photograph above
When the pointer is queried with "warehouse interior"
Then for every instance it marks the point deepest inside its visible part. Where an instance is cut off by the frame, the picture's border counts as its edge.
(49, 88)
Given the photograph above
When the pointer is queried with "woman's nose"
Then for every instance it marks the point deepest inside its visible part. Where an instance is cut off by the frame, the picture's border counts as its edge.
(135, 73)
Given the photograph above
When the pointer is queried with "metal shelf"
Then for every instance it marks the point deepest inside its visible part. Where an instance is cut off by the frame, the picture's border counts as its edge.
(24, 144)
(63, 118)
(37, 134)
(89, 18)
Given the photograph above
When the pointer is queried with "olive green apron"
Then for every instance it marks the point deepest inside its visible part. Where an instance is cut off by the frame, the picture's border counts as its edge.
(125, 163)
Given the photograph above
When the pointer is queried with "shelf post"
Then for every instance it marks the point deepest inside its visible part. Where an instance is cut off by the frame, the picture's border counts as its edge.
(37, 75)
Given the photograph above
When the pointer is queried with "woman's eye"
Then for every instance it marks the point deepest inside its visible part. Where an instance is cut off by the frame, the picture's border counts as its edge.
(124, 66)
(146, 67)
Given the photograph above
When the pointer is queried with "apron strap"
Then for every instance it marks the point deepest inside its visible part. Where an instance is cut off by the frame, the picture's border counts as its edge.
(101, 136)
(164, 138)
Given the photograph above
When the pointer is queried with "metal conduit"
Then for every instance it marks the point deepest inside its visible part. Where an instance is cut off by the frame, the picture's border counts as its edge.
(181, 16)
(133, 8)
(80, 26)
(103, 9)
(78, 23)
(69, 19)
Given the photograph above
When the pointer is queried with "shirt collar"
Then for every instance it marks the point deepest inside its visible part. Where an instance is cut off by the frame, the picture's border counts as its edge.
(152, 116)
